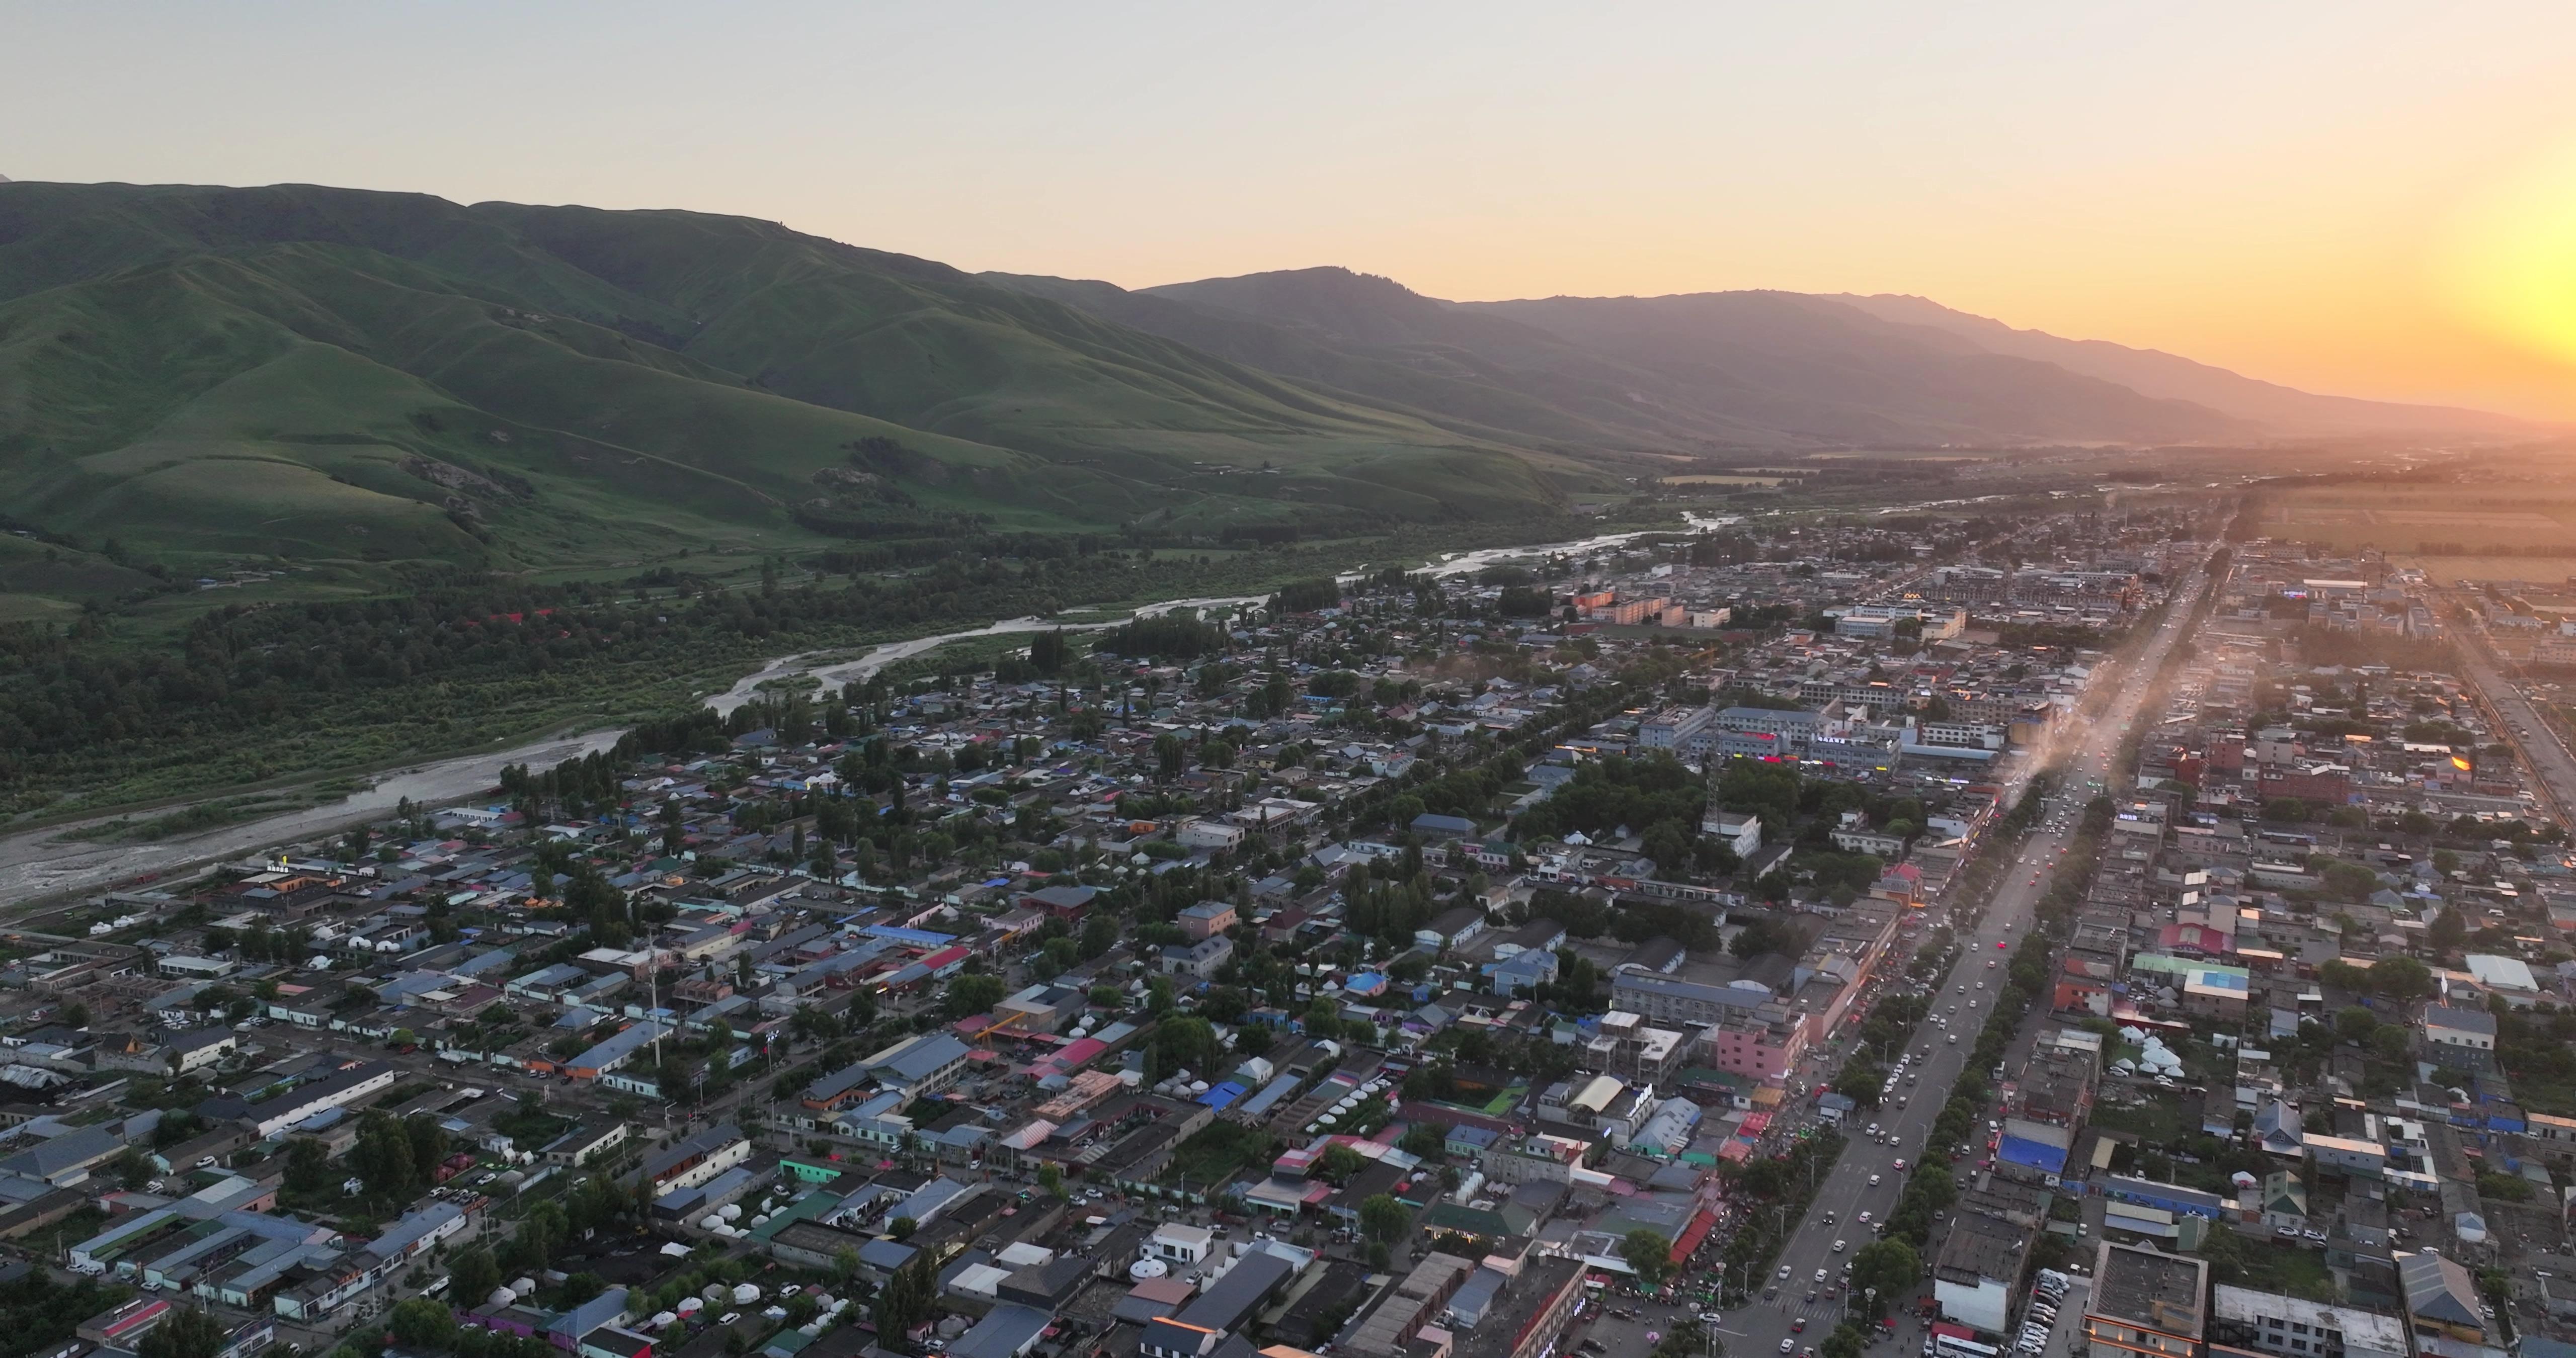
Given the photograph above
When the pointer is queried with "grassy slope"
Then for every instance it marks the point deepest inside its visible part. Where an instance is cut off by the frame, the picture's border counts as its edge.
(1747, 367)
(1451, 396)
(253, 371)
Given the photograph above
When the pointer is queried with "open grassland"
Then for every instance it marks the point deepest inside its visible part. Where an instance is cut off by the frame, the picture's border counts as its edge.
(2454, 569)
(2477, 520)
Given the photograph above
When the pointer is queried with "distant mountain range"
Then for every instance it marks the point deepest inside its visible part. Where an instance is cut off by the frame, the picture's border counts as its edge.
(209, 374)
(1748, 369)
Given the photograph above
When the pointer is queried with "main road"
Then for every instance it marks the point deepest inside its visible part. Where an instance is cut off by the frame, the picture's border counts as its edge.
(1865, 1178)
(2531, 733)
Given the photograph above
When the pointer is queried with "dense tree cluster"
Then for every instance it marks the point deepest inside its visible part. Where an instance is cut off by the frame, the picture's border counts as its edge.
(1655, 796)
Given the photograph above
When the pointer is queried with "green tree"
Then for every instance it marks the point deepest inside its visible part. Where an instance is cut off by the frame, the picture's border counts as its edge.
(472, 1276)
(1338, 1163)
(1650, 1253)
(2401, 978)
(1383, 1218)
(1099, 935)
(2447, 932)
(428, 1146)
(1183, 1042)
(970, 995)
(1845, 1342)
(1892, 1267)
(905, 1301)
(383, 1158)
(422, 1323)
(1425, 1141)
(184, 1333)
(308, 1166)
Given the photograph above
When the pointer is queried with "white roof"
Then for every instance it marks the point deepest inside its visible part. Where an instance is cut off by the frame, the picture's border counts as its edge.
(2502, 973)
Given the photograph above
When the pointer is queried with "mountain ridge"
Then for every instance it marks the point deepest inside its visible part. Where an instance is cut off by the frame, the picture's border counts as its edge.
(307, 373)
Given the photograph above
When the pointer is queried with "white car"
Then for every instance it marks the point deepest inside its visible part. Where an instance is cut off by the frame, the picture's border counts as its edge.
(1873, 1181)
(1838, 1247)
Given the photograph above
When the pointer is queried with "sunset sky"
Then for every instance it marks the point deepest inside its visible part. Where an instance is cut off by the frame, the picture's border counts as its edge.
(2364, 198)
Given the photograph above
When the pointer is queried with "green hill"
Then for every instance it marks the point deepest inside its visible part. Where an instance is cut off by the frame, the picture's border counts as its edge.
(308, 374)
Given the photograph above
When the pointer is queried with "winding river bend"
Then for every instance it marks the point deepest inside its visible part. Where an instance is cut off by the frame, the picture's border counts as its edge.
(41, 863)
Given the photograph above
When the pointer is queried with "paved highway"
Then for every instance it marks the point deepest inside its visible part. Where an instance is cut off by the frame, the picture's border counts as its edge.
(2529, 731)
(1961, 1007)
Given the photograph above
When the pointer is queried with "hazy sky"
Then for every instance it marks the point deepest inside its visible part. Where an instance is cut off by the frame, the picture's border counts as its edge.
(2370, 198)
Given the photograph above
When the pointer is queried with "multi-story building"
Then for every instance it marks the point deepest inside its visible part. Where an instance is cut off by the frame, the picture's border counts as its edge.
(1762, 1043)
(2145, 1302)
(2244, 1322)
(2459, 1037)
(1665, 1000)
(1672, 727)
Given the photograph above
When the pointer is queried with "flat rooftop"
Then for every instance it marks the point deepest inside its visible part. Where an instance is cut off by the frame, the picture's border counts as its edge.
(1980, 1246)
(2149, 1288)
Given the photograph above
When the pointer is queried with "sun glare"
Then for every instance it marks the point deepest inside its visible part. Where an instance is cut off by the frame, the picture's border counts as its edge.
(2510, 262)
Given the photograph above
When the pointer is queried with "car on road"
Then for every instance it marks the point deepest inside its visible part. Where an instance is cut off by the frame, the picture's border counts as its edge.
(1873, 1181)
(728, 1317)
(1864, 1218)
(1788, 1346)
(1838, 1247)
(1798, 1326)
(1820, 1275)
(1900, 1166)
(1784, 1273)
(1990, 964)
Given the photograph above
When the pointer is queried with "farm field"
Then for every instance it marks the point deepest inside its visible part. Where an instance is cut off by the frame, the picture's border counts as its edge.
(2447, 570)
(2431, 521)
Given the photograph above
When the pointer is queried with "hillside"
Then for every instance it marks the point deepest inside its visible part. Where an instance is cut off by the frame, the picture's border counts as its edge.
(1761, 370)
(225, 378)
(1767, 370)
(322, 374)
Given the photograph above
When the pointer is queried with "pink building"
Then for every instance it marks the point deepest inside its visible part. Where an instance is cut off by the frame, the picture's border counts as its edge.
(1761, 1044)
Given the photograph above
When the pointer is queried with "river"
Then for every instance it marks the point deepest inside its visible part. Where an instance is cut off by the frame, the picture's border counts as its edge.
(43, 863)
